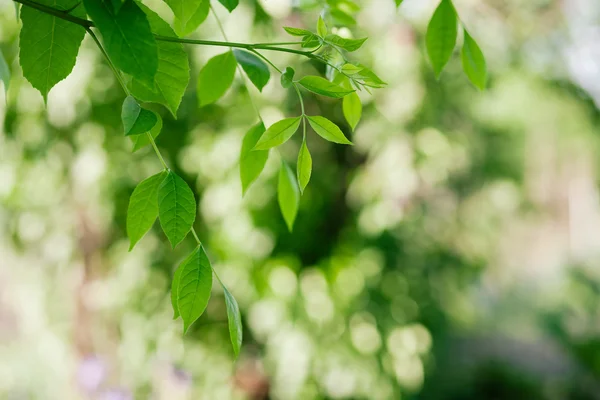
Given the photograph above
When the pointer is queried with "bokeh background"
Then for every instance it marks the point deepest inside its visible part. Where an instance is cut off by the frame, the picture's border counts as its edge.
(452, 253)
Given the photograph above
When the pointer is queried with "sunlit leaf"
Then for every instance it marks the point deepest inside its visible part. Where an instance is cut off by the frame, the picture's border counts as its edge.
(304, 166)
(257, 71)
(473, 62)
(185, 14)
(136, 120)
(321, 27)
(189, 24)
(327, 130)
(352, 108)
(322, 86)
(194, 286)
(143, 208)
(176, 208)
(234, 318)
(441, 36)
(297, 31)
(252, 162)
(215, 78)
(288, 195)
(343, 43)
(278, 133)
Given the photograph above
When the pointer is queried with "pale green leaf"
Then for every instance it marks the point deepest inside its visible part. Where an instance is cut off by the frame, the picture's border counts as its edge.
(257, 71)
(143, 208)
(441, 36)
(322, 86)
(327, 130)
(173, 71)
(287, 78)
(189, 24)
(49, 45)
(278, 133)
(235, 321)
(342, 18)
(136, 120)
(252, 162)
(194, 286)
(183, 10)
(398, 3)
(176, 208)
(230, 5)
(352, 108)
(140, 141)
(215, 78)
(343, 43)
(4, 73)
(321, 27)
(304, 166)
(288, 195)
(311, 41)
(127, 36)
(473, 62)
(297, 31)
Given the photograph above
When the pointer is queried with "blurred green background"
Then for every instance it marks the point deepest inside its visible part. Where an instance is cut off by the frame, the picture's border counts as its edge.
(452, 253)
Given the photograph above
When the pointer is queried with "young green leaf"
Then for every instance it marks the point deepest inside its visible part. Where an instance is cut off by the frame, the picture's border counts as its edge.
(4, 73)
(398, 3)
(288, 195)
(235, 321)
(183, 10)
(143, 208)
(321, 27)
(136, 120)
(194, 286)
(473, 62)
(140, 141)
(297, 31)
(311, 41)
(352, 108)
(343, 43)
(304, 166)
(174, 287)
(254, 67)
(441, 36)
(287, 78)
(322, 86)
(187, 25)
(173, 71)
(278, 133)
(327, 130)
(215, 78)
(252, 162)
(176, 208)
(128, 39)
(49, 45)
(369, 78)
(351, 69)
(229, 4)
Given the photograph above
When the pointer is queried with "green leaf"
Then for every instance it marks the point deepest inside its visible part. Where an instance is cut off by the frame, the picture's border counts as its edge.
(441, 36)
(304, 166)
(343, 43)
(254, 67)
(230, 4)
(4, 73)
(136, 120)
(341, 18)
(143, 208)
(184, 11)
(174, 287)
(473, 62)
(322, 86)
(369, 78)
(235, 321)
(17, 10)
(128, 39)
(140, 141)
(252, 162)
(49, 45)
(398, 3)
(278, 133)
(172, 73)
(189, 24)
(194, 286)
(352, 108)
(288, 195)
(311, 41)
(351, 69)
(287, 78)
(321, 27)
(176, 208)
(215, 78)
(327, 130)
(297, 31)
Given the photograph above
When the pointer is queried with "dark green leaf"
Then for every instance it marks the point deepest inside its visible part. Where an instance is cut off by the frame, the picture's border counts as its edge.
(189, 24)
(173, 71)
(287, 78)
(254, 67)
(278, 133)
(174, 287)
(322, 86)
(49, 45)
(327, 130)
(304, 166)
(143, 208)
(176, 208)
(140, 141)
(252, 162)
(4, 73)
(215, 78)
(230, 4)
(128, 39)
(136, 120)
(352, 108)
(288, 195)
(441, 36)
(297, 31)
(473, 62)
(343, 43)
(235, 321)
(194, 286)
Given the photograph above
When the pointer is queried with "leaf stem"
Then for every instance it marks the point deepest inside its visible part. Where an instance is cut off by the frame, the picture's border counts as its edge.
(300, 97)
(267, 60)
(63, 14)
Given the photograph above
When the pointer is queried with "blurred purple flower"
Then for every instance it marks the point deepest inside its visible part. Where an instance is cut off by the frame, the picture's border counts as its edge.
(116, 394)
(91, 374)
(182, 377)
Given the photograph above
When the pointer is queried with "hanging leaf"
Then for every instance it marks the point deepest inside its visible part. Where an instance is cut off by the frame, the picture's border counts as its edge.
(252, 162)
(287, 78)
(187, 25)
(140, 141)
(473, 62)
(184, 10)
(352, 108)
(304, 166)
(215, 78)
(176, 208)
(136, 120)
(194, 286)
(441, 36)
(343, 43)
(398, 2)
(143, 208)
(4, 74)
(173, 71)
(278, 133)
(229, 4)
(128, 39)
(49, 45)
(327, 130)
(288, 195)
(322, 86)
(174, 287)
(254, 67)
(235, 321)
